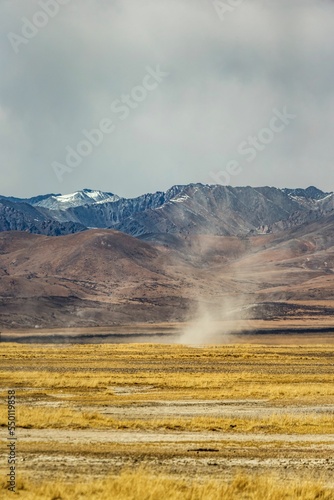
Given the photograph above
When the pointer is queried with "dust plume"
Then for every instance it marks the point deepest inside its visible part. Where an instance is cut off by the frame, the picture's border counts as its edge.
(216, 325)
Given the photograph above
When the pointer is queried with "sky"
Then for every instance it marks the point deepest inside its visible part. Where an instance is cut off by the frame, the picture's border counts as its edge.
(133, 96)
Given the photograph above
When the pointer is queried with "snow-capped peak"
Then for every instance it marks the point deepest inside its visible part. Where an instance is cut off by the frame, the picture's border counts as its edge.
(83, 197)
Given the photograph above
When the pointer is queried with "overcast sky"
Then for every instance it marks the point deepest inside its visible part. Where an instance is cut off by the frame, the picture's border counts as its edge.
(228, 69)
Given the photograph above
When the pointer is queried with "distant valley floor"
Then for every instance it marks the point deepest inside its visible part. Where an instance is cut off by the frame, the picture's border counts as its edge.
(289, 331)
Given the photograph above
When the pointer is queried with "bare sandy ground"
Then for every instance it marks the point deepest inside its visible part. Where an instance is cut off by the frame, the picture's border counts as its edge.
(125, 436)
(81, 454)
(237, 408)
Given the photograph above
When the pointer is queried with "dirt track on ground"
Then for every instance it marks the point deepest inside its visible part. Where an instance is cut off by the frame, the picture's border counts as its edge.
(120, 436)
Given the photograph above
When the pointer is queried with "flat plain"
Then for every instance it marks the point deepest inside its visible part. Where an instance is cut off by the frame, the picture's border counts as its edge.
(149, 421)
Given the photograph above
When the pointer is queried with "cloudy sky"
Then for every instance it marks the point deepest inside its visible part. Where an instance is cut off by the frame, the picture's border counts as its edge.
(184, 90)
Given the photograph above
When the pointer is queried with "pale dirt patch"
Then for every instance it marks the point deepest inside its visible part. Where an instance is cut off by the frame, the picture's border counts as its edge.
(128, 436)
(188, 454)
(205, 408)
(73, 461)
(131, 389)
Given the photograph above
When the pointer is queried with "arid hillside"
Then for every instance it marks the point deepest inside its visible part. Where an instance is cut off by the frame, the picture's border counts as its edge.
(101, 277)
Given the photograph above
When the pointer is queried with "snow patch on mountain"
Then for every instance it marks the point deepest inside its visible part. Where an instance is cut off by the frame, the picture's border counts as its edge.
(77, 199)
(180, 199)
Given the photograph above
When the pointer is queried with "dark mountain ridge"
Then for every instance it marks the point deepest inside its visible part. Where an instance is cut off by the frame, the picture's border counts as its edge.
(184, 209)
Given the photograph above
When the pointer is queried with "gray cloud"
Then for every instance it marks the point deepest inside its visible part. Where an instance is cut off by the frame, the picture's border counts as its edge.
(225, 77)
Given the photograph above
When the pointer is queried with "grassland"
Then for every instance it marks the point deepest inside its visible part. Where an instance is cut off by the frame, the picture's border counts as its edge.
(133, 421)
(145, 486)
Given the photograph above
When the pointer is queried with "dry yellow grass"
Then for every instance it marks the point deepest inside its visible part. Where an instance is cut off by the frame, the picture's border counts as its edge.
(144, 486)
(127, 387)
(46, 418)
(68, 377)
(196, 384)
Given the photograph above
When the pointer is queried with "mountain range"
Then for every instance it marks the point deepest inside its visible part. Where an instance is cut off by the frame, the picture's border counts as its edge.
(182, 209)
(264, 253)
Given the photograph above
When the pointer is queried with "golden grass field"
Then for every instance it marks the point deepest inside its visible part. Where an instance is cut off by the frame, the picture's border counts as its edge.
(153, 421)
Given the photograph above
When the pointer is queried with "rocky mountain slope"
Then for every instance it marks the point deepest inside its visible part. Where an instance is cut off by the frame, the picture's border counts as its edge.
(189, 209)
(17, 216)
